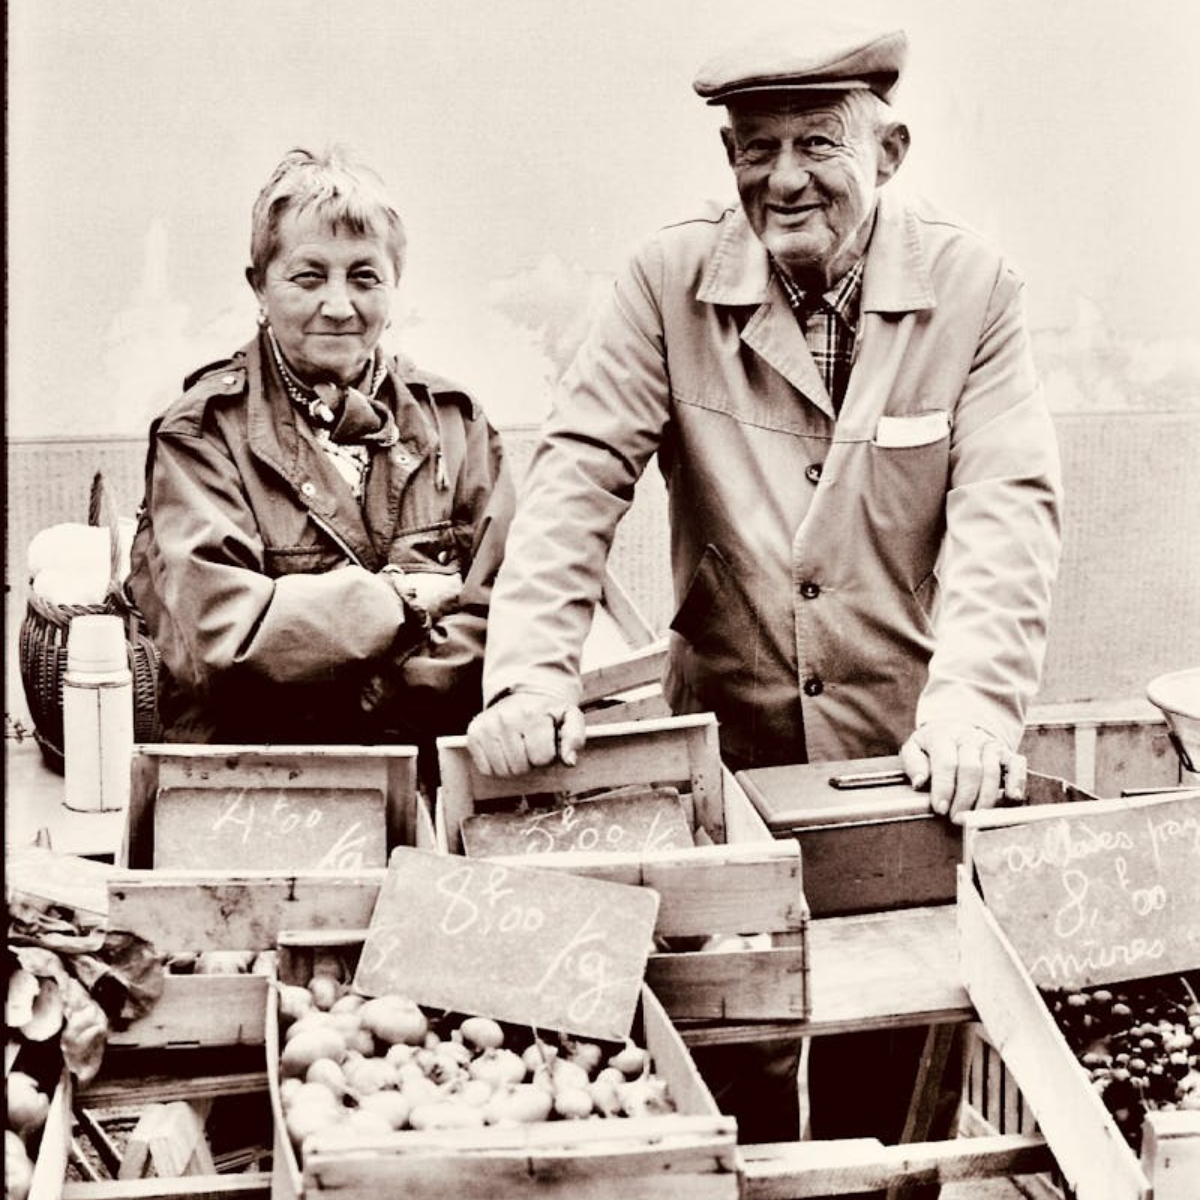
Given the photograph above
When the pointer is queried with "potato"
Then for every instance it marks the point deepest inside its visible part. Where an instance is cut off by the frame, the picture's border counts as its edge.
(518, 1103)
(18, 1167)
(445, 1114)
(27, 1104)
(394, 1019)
(389, 1104)
(305, 1048)
(482, 1033)
(573, 1103)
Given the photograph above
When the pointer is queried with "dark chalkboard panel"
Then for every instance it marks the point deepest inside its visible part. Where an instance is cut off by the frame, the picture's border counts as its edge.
(296, 829)
(1104, 892)
(638, 822)
(519, 944)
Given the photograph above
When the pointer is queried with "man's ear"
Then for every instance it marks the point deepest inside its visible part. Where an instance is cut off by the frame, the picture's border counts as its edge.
(893, 146)
(730, 147)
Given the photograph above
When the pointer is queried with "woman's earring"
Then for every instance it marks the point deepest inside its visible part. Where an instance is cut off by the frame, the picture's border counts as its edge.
(262, 318)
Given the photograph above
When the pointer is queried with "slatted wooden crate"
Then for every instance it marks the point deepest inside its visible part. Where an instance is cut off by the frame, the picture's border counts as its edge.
(361, 773)
(741, 881)
(690, 1154)
(181, 911)
(1094, 1157)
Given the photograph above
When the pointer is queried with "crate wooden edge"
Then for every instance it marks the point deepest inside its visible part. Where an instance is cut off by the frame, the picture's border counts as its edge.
(50, 1166)
(715, 1137)
(1094, 1157)
(744, 833)
(406, 812)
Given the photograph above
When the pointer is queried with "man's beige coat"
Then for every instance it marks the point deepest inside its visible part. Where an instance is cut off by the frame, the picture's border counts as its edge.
(837, 581)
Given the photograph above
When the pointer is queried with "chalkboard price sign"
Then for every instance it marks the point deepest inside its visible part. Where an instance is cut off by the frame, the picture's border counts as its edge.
(297, 829)
(533, 947)
(635, 823)
(1109, 894)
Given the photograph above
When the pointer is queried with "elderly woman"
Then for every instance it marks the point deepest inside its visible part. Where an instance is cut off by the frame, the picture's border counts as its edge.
(322, 521)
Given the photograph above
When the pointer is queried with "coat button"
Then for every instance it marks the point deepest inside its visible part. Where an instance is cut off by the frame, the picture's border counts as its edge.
(402, 458)
(812, 472)
(810, 591)
(813, 687)
(229, 379)
(308, 489)
(444, 556)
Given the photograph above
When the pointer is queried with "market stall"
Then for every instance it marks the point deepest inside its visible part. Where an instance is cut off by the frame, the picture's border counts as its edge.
(839, 958)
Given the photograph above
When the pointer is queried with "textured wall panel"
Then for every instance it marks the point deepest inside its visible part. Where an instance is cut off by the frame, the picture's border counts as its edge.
(1128, 601)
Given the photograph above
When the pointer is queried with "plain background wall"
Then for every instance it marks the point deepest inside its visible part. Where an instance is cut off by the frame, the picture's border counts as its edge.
(530, 146)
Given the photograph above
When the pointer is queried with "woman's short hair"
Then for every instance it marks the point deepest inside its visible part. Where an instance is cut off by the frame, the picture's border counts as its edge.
(334, 189)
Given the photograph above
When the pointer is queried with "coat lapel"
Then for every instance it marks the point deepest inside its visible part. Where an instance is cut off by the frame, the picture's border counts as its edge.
(740, 276)
(280, 439)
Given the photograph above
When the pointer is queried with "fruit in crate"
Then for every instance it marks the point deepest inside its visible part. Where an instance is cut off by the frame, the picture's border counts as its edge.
(359, 1067)
(1139, 1043)
(18, 1167)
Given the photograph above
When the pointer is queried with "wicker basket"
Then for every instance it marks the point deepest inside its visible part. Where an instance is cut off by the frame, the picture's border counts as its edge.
(44, 652)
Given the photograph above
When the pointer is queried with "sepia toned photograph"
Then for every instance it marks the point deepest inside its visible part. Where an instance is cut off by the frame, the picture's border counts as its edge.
(602, 600)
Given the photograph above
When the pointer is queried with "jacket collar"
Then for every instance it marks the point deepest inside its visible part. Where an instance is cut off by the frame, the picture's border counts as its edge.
(278, 436)
(896, 278)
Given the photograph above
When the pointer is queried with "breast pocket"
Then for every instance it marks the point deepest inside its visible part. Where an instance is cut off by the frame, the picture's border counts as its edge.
(440, 545)
(906, 476)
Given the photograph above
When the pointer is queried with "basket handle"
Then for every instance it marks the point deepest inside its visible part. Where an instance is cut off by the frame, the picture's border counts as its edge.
(101, 511)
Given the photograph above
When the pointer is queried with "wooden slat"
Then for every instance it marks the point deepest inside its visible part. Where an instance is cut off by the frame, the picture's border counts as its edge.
(55, 1147)
(753, 888)
(105, 1093)
(646, 704)
(1093, 1155)
(884, 970)
(793, 1170)
(1171, 1154)
(179, 911)
(731, 987)
(256, 1186)
(637, 669)
(626, 615)
(201, 1010)
(660, 1172)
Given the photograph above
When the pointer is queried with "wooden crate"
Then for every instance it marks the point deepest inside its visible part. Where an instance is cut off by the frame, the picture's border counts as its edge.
(743, 883)
(1105, 749)
(171, 1066)
(180, 912)
(1094, 1157)
(690, 1154)
(389, 771)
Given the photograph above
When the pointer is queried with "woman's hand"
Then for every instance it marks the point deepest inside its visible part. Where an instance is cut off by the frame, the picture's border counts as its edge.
(432, 594)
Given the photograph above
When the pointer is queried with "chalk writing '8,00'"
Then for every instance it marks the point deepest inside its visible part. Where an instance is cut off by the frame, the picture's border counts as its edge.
(490, 909)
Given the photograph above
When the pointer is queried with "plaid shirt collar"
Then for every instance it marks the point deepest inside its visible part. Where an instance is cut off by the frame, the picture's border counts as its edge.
(842, 298)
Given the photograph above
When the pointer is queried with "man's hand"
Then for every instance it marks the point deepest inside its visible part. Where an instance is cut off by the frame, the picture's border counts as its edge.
(965, 767)
(524, 730)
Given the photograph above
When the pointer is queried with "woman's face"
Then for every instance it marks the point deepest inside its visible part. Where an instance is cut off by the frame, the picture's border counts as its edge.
(327, 296)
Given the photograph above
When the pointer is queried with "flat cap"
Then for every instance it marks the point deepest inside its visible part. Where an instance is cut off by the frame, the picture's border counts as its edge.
(820, 55)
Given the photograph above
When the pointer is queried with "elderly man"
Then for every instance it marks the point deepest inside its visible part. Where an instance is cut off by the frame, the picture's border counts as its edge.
(863, 477)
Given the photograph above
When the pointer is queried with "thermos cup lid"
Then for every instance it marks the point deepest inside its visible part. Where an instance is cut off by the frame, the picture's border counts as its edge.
(96, 643)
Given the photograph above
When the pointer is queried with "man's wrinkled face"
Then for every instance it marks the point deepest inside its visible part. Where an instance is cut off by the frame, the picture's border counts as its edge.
(807, 177)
